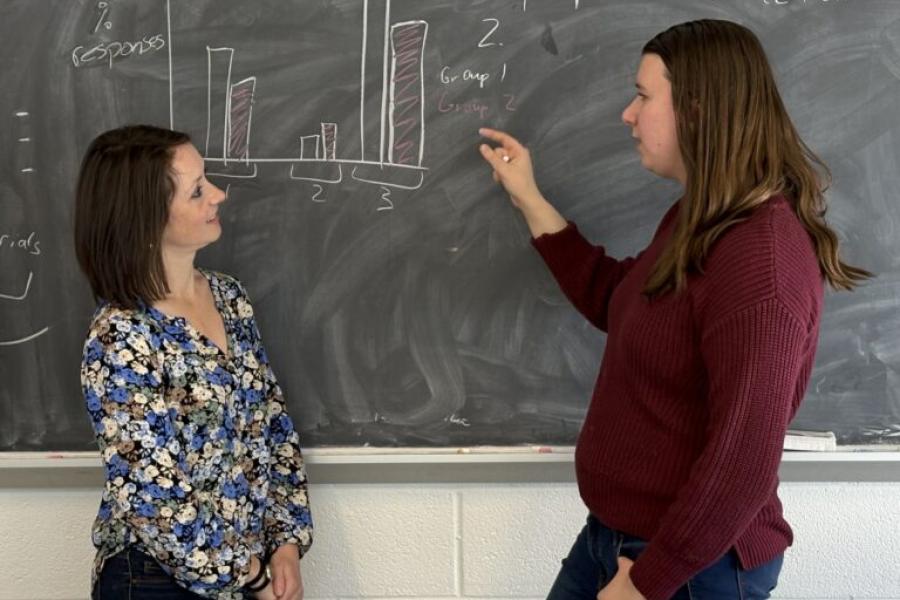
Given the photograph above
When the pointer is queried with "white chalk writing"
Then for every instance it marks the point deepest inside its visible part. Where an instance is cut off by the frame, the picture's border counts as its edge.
(111, 51)
(29, 243)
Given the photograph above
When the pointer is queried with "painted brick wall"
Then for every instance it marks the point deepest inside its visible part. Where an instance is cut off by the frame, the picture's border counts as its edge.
(432, 541)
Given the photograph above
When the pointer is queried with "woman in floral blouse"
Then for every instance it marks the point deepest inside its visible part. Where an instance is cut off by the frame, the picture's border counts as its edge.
(205, 491)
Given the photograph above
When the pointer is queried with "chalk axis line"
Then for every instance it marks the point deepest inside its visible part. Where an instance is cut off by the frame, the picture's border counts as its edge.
(18, 298)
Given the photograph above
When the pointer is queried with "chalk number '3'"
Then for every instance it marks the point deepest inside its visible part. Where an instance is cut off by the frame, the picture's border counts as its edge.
(386, 199)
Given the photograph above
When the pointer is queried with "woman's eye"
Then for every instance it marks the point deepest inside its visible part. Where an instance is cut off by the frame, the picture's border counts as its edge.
(197, 192)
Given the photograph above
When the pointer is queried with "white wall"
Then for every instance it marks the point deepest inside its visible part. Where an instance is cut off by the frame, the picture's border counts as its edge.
(467, 540)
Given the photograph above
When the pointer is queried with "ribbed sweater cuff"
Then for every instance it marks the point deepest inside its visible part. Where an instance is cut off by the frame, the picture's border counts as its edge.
(658, 574)
(557, 249)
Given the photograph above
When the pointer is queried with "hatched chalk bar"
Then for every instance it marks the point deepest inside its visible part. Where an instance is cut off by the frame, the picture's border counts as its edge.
(329, 140)
(239, 119)
(406, 141)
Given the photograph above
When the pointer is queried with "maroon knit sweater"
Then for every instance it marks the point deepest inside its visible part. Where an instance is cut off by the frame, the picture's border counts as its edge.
(683, 437)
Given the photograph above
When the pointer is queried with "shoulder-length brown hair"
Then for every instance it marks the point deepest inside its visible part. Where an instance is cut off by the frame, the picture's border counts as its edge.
(121, 208)
(739, 148)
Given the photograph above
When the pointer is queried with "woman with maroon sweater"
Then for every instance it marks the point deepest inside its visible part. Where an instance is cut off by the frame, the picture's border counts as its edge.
(712, 328)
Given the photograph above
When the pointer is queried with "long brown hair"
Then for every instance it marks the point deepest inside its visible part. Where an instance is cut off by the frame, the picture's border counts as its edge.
(121, 208)
(739, 148)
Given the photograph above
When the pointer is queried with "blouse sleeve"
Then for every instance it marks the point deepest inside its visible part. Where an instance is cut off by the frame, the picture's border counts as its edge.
(190, 531)
(288, 518)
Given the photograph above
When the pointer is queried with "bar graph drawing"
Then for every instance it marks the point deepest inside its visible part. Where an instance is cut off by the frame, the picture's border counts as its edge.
(318, 157)
(228, 117)
(403, 112)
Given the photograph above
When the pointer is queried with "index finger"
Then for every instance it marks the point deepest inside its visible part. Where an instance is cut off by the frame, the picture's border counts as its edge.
(501, 137)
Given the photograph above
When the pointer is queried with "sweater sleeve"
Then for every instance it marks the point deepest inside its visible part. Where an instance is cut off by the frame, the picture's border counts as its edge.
(585, 273)
(188, 530)
(754, 359)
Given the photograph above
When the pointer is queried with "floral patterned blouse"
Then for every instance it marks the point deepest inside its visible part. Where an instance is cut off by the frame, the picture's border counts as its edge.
(203, 465)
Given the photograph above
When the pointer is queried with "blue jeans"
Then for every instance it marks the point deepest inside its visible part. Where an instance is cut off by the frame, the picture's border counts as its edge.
(592, 563)
(133, 575)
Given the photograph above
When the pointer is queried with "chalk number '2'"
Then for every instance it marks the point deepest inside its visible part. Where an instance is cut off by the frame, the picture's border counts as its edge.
(484, 43)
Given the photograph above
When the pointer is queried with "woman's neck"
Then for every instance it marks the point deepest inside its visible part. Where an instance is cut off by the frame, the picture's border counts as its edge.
(180, 275)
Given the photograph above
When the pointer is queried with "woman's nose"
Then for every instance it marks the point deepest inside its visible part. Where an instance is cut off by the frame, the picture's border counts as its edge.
(629, 114)
(219, 195)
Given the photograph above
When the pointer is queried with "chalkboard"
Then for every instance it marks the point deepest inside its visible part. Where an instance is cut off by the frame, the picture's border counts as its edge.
(395, 287)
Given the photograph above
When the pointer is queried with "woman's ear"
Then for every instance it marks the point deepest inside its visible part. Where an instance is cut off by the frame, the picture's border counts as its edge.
(694, 109)
(692, 115)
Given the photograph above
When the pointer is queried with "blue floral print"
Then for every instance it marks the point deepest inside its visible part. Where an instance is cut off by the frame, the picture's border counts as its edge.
(203, 464)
